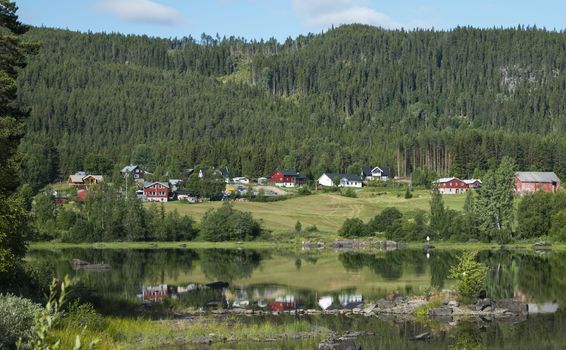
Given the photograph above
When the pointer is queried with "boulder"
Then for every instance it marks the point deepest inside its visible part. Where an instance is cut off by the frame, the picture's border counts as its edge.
(339, 344)
(452, 303)
(388, 245)
(428, 246)
(422, 336)
(513, 306)
(385, 304)
(369, 308)
(542, 244)
(485, 305)
(441, 311)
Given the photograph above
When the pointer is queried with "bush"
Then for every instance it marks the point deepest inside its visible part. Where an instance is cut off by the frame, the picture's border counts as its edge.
(311, 228)
(17, 316)
(349, 192)
(471, 276)
(229, 224)
(84, 315)
(558, 228)
(353, 228)
(304, 191)
(383, 221)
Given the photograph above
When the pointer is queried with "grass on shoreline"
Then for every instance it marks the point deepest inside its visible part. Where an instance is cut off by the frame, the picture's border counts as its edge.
(124, 333)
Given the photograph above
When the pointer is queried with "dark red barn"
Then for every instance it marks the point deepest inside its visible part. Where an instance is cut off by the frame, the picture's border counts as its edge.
(532, 181)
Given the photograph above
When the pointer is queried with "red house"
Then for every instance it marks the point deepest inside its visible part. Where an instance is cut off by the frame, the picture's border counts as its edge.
(531, 181)
(156, 192)
(451, 185)
(287, 178)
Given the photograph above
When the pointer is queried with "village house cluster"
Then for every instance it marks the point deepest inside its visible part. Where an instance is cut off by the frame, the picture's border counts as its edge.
(163, 191)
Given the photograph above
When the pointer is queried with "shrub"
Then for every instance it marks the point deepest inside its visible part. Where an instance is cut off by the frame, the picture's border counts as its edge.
(229, 224)
(471, 276)
(349, 192)
(304, 191)
(84, 315)
(353, 228)
(17, 317)
(383, 221)
(311, 228)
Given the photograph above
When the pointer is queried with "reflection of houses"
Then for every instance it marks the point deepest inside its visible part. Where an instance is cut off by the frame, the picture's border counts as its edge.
(283, 303)
(158, 293)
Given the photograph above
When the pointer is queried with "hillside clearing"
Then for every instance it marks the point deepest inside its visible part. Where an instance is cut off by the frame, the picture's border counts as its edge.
(326, 210)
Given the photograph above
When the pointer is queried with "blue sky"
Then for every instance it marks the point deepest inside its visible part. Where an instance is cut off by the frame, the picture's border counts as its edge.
(256, 19)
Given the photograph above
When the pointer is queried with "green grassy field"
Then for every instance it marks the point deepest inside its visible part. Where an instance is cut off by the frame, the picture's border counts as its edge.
(325, 210)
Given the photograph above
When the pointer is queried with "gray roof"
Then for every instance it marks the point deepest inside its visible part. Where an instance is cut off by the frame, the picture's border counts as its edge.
(128, 168)
(537, 176)
(366, 171)
(348, 177)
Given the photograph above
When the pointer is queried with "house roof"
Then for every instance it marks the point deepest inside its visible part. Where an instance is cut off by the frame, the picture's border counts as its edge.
(471, 181)
(149, 184)
(536, 176)
(96, 177)
(175, 182)
(292, 173)
(348, 177)
(129, 168)
(384, 170)
(76, 178)
(446, 179)
(366, 171)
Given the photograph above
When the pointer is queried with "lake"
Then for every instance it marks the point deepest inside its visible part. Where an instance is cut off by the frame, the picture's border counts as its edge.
(123, 282)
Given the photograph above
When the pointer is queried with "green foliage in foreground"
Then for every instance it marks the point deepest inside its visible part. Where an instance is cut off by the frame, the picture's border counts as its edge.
(17, 317)
(470, 274)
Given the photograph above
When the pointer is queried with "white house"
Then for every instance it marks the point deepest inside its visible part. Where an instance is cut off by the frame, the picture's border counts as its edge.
(377, 173)
(241, 180)
(346, 180)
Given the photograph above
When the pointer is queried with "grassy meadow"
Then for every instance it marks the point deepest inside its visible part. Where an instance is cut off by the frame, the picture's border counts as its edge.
(327, 211)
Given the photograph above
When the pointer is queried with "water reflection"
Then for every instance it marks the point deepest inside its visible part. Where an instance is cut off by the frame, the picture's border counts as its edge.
(285, 281)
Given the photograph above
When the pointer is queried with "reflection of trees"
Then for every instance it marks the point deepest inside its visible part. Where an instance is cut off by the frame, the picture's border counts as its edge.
(389, 265)
(440, 264)
(130, 268)
(228, 265)
(469, 337)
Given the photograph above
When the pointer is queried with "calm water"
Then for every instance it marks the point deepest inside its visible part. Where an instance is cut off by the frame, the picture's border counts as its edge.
(277, 281)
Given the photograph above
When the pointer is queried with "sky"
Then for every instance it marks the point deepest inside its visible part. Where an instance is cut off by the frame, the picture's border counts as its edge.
(257, 19)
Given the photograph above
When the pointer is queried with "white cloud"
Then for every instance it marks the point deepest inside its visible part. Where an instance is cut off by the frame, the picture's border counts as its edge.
(141, 11)
(324, 13)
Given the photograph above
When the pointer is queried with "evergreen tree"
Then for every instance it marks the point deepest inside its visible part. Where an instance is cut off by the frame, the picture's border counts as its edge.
(439, 224)
(14, 228)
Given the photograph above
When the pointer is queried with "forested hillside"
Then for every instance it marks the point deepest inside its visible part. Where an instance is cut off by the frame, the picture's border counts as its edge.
(452, 101)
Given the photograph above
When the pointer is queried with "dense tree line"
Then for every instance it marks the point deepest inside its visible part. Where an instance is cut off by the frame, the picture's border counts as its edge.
(106, 216)
(453, 102)
(490, 215)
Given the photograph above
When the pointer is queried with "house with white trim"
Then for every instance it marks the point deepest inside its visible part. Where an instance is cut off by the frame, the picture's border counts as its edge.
(344, 180)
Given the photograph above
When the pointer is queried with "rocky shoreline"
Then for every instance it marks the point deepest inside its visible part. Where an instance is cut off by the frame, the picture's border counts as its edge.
(400, 308)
